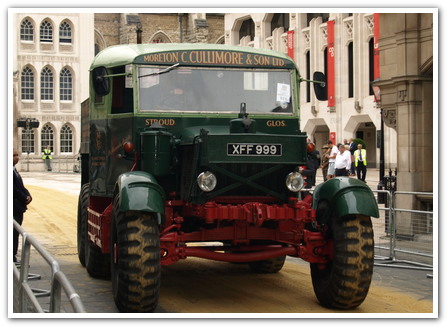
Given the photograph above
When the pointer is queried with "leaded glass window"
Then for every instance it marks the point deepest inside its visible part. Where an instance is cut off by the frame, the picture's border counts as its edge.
(66, 85)
(27, 84)
(46, 84)
(66, 139)
(65, 33)
(47, 137)
(46, 32)
(26, 31)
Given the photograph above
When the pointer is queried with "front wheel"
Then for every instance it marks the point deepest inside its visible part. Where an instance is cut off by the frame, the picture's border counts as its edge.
(344, 282)
(135, 260)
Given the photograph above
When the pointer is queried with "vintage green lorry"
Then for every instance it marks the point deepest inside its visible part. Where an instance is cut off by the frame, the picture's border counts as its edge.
(193, 150)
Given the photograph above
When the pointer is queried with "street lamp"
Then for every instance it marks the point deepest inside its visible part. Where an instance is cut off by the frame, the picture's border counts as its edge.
(139, 31)
(380, 186)
(28, 124)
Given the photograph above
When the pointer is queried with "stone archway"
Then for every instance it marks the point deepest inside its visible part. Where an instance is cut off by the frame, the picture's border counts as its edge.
(362, 126)
(159, 37)
(318, 131)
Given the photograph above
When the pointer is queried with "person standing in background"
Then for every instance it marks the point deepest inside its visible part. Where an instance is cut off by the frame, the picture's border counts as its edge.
(21, 198)
(342, 161)
(313, 163)
(360, 162)
(324, 162)
(47, 157)
(331, 156)
(352, 148)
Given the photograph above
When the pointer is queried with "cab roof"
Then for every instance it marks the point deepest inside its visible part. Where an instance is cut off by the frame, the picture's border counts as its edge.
(132, 53)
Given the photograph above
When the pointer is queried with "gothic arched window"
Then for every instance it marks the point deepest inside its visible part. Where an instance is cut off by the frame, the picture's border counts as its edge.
(66, 139)
(27, 84)
(26, 30)
(47, 137)
(66, 85)
(46, 84)
(46, 32)
(65, 35)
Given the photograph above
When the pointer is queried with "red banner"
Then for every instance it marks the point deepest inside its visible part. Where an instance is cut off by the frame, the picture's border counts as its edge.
(330, 64)
(376, 46)
(333, 138)
(290, 43)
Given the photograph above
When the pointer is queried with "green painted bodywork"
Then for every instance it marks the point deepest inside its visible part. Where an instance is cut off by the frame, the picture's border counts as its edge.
(139, 191)
(215, 148)
(344, 196)
(116, 118)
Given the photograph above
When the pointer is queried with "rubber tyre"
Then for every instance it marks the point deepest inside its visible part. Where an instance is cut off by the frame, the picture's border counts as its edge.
(96, 262)
(269, 266)
(135, 260)
(83, 203)
(345, 281)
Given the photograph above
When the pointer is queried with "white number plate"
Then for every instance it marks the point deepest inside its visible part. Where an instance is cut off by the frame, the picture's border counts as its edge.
(253, 149)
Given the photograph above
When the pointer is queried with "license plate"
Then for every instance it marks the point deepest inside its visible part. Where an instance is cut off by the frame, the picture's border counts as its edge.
(253, 149)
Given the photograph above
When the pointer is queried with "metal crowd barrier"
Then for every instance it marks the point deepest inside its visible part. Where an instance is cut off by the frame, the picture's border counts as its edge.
(62, 164)
(411, 237)
(25, 297)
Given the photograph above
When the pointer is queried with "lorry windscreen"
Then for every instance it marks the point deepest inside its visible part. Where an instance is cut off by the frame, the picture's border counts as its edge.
(215, 90)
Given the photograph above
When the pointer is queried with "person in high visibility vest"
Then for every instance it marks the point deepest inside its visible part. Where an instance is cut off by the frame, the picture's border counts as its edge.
(360, 162)
(47, 157)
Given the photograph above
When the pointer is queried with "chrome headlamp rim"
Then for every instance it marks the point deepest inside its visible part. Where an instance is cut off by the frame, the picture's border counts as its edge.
(207, 181)
(295, 182)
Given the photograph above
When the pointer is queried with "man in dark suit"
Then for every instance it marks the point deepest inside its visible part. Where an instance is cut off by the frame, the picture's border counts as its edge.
(352, 148)
(22, 198)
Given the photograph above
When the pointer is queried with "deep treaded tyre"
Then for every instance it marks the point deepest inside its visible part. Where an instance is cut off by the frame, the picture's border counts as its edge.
(345, 282)
(135, 260)
(82, 221)
(268, 266)
(96, 262)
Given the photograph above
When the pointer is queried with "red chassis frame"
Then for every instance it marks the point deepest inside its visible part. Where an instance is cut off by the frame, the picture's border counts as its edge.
(235, 224)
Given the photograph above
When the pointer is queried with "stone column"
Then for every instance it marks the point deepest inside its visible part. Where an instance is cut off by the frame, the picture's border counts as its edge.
(406, 85)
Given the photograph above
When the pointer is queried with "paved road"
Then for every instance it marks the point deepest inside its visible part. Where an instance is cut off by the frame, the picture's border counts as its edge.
(196, 285)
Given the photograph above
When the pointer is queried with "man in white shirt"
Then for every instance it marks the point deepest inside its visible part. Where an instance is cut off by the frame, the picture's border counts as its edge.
(331, 156)
(342, 161)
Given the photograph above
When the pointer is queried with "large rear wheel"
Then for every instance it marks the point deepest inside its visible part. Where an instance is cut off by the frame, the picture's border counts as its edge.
(344, 282)
(83, 203)
(135, 260)
(90, 256)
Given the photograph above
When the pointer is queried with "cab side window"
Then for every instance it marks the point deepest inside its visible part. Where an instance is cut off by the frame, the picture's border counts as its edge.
(122, 93)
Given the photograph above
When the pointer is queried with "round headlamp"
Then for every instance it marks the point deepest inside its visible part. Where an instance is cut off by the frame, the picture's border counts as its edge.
(207, 181)
(295, 182)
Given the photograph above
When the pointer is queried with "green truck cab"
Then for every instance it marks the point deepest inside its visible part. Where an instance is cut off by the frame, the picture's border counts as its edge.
(186, 145)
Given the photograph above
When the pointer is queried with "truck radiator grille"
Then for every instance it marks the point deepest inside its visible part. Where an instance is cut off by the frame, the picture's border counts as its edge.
(272, 183)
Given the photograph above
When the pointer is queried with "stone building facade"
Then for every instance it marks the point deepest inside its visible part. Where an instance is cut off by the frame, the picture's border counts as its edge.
(406, 88)
(403, 44)
(50, 62)
(123, 28)
(305, 37)
(51, 59)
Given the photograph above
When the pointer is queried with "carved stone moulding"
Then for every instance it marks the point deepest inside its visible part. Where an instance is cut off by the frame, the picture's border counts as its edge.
(390, 117)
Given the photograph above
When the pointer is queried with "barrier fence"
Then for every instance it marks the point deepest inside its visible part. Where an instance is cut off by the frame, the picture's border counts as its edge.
(62, 164)
(404, 237)
(25, 296)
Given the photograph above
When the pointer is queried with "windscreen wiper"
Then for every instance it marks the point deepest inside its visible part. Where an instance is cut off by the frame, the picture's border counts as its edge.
(161, 71)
